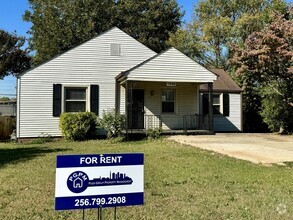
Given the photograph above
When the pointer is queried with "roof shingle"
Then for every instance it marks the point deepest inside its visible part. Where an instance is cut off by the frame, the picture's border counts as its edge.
(224, 83)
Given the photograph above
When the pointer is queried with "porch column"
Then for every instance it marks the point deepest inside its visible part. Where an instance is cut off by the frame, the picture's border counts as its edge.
(210, 116)
(126, 109)
(117, 96)
(128, 105)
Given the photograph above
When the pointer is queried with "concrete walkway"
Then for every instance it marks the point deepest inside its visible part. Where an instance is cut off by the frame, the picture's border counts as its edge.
(257, 148)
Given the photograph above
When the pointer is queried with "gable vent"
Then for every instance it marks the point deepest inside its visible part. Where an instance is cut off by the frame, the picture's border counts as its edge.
(115, 49)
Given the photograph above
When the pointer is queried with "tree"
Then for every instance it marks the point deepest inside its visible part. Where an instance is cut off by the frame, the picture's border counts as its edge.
(13, 59)
(187, 40)
(58, 25)
(266, 58)
(4, 98)
(222, 22)
(150, 22)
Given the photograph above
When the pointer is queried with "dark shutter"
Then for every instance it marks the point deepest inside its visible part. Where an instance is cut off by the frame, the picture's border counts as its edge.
(57, 92)
(205, 104)
(95, 99)
(226, 105)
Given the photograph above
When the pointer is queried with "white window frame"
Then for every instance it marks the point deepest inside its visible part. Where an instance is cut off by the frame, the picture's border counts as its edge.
(168, 89)
(73, 86)
(220, 104)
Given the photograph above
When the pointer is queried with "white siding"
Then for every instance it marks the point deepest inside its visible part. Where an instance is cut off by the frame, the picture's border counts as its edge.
(171, 66)
(89, 63)
(233, 121)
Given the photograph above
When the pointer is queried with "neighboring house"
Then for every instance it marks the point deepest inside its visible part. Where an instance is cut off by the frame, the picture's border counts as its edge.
(8, 108)
(113, 70)
(227, 103)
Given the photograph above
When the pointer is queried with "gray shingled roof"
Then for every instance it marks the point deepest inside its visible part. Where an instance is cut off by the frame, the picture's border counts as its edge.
(224, 83)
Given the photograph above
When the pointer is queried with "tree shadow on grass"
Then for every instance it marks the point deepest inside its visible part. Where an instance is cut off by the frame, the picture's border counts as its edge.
(17, 155)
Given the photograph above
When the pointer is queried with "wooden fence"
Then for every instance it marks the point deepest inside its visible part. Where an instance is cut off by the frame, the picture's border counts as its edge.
(7, 125)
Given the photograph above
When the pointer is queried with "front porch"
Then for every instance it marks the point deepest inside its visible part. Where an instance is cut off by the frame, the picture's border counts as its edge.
(163, 92)
(157, 105)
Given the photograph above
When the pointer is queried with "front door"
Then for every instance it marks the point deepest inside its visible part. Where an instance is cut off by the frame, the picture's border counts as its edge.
(137, 109)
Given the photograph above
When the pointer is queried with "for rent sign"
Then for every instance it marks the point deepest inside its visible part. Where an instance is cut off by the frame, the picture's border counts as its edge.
(98, 181)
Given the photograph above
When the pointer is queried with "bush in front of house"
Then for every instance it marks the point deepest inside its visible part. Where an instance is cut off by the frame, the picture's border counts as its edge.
(113, 123)
(153, 133)
(78, 126)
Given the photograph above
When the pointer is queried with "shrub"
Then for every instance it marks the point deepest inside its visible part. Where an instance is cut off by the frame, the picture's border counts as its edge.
(78, 126)
(113, 123)
(154, 133)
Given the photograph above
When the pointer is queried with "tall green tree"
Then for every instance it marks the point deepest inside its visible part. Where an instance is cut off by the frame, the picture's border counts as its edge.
(188, 41)
(218, 23)
(58, 25)
(150, 22)
(266, 58)
(13, 59)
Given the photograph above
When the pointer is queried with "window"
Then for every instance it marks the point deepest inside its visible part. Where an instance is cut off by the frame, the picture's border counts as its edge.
(168, 101)
(75, 100)
(216, 104)
(221, 104)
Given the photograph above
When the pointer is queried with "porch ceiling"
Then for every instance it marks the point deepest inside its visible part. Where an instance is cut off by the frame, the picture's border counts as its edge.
(168, 66)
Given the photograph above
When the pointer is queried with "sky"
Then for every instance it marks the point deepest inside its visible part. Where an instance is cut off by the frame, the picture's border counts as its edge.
(11, 12)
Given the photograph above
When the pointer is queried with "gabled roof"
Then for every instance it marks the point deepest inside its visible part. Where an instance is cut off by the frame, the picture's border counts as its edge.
(224, 83)
(169, 66)
(74, 47)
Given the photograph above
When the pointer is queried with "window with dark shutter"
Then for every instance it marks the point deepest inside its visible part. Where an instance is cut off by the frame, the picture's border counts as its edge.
(95, 99)
(226, 105)
(57, 94)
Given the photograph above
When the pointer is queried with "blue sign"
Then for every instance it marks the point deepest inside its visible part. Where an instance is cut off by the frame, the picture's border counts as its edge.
(98, 181)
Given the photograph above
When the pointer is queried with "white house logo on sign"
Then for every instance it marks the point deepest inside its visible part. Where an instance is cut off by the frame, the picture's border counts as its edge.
(95, 181)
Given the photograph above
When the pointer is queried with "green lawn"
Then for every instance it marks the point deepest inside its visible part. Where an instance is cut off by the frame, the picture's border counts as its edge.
(181, 182)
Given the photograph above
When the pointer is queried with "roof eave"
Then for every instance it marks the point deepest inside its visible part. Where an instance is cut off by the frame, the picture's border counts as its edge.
(222, 91)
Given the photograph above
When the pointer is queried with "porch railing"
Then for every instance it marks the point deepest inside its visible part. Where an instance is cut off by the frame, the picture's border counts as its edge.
(195, 122)
(185, 122)
(152, 121)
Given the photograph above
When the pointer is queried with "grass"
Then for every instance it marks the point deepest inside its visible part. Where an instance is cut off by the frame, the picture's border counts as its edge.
(181, 182)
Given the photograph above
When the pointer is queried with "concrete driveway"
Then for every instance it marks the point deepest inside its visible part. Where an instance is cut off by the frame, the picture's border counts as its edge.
(257, 148)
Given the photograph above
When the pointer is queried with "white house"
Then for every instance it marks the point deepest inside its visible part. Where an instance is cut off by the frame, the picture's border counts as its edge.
(113, 70)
